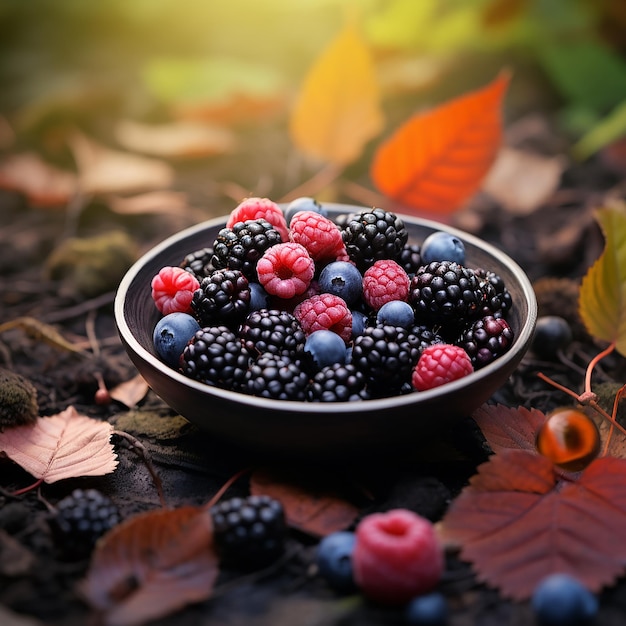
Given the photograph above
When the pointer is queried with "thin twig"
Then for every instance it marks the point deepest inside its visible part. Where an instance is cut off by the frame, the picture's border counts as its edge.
(79, 309)
(233, 479)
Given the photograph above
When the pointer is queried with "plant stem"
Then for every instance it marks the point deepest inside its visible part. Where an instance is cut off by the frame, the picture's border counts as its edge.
(594, 362)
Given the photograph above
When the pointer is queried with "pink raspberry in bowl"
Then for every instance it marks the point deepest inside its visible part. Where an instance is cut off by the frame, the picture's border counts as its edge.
(325, 311)
(255, 208)
(396, 556)
(318, 234)
(439, 364)
(172, 290)
(383, 282)
(285, 270)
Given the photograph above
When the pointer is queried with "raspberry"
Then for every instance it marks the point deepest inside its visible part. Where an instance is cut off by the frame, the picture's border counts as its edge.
(260, 208)
(172, 290)
(318, 234)
(396, 557)
(383, 282)
(286, 270)
(439, 364)
(325, 312)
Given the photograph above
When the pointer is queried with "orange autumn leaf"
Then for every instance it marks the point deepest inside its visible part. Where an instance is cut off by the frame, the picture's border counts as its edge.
(437, 160)
(152, 565)
(338, 108)
(520, 520)
(62, 446)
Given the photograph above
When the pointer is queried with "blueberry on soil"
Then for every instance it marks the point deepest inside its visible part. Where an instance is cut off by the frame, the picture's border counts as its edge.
(171, 334)
(552, 333)
(562, 600)
(334, 560)
(342, 279)
(430, 609)
(442, 246)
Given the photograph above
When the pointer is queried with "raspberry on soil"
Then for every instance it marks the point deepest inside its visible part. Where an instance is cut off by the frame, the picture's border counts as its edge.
(439, 364)
(173, 289)
(286, 270)
(397, 556)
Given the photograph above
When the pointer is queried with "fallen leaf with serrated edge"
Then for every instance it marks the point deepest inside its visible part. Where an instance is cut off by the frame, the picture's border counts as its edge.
(520, 520)
(130, 392)
(315, 511)
(65, 445)
(437, 160)
(152, 565)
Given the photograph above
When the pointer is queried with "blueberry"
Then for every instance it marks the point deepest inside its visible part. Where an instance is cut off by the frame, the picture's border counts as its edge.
(442, 246)
(359, 322)
(259, 298)
(342, 279)
(431, 609)
(171, 334)
(552, 333)
(562, 600)
(325, 348)
(334, 560)
(304, 204)
(396, 313)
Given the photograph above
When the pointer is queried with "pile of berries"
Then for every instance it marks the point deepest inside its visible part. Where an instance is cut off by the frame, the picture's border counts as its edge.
(291, 305)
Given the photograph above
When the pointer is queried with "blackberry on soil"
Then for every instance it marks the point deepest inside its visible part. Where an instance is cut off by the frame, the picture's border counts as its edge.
(223, 298)
(277, 376)
(338, 383)
(249, 532)
(242, 245)
(273, 331)
(216, 356)
(386, 356)
(81, 518)
(372, 235)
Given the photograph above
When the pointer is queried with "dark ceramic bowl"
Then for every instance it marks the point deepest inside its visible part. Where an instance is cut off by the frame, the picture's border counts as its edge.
(303, 428)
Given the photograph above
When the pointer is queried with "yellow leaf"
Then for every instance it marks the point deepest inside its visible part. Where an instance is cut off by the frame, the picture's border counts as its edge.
(602, 300)
(338, 108)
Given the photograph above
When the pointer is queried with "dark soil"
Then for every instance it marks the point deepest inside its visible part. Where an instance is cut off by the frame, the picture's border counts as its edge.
(555, 245)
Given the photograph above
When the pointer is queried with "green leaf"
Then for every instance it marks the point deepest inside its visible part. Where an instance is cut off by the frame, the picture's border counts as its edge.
(586, 73)
(602, 300)
(611, 128)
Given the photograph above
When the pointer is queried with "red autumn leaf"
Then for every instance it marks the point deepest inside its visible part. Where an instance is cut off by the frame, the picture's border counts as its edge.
(505, 427)
(520, 520)
(437, 160)
(151, 566)
(62, 446)
(313, 509)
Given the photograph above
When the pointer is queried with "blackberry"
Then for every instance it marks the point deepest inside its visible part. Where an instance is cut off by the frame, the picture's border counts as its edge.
(81, 518)
(445, 293)
(386, 356)
(277, 376)
(486, 339)
(338, 383)
(372, 235)
(242, 245)
(249, 532)
(425, 336)
(410, 258)
(274, 331)
(497, 298)
(223, 298)
(199, 263)
(216, 356)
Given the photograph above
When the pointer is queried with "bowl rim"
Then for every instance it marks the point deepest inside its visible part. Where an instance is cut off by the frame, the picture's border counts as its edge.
(523, 336)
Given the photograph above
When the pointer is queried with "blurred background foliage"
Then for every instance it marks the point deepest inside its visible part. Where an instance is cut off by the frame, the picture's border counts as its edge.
(71, 64)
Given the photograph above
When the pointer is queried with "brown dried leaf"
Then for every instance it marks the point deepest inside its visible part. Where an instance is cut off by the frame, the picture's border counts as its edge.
(152, 565)
(505, 427)
(163, 201)
(43, 184)
(102, 170)
(40, 331)
(312, 509)
(522, 181)
(131, 391)
(519, 521)
(178, 139)
(65, 445)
